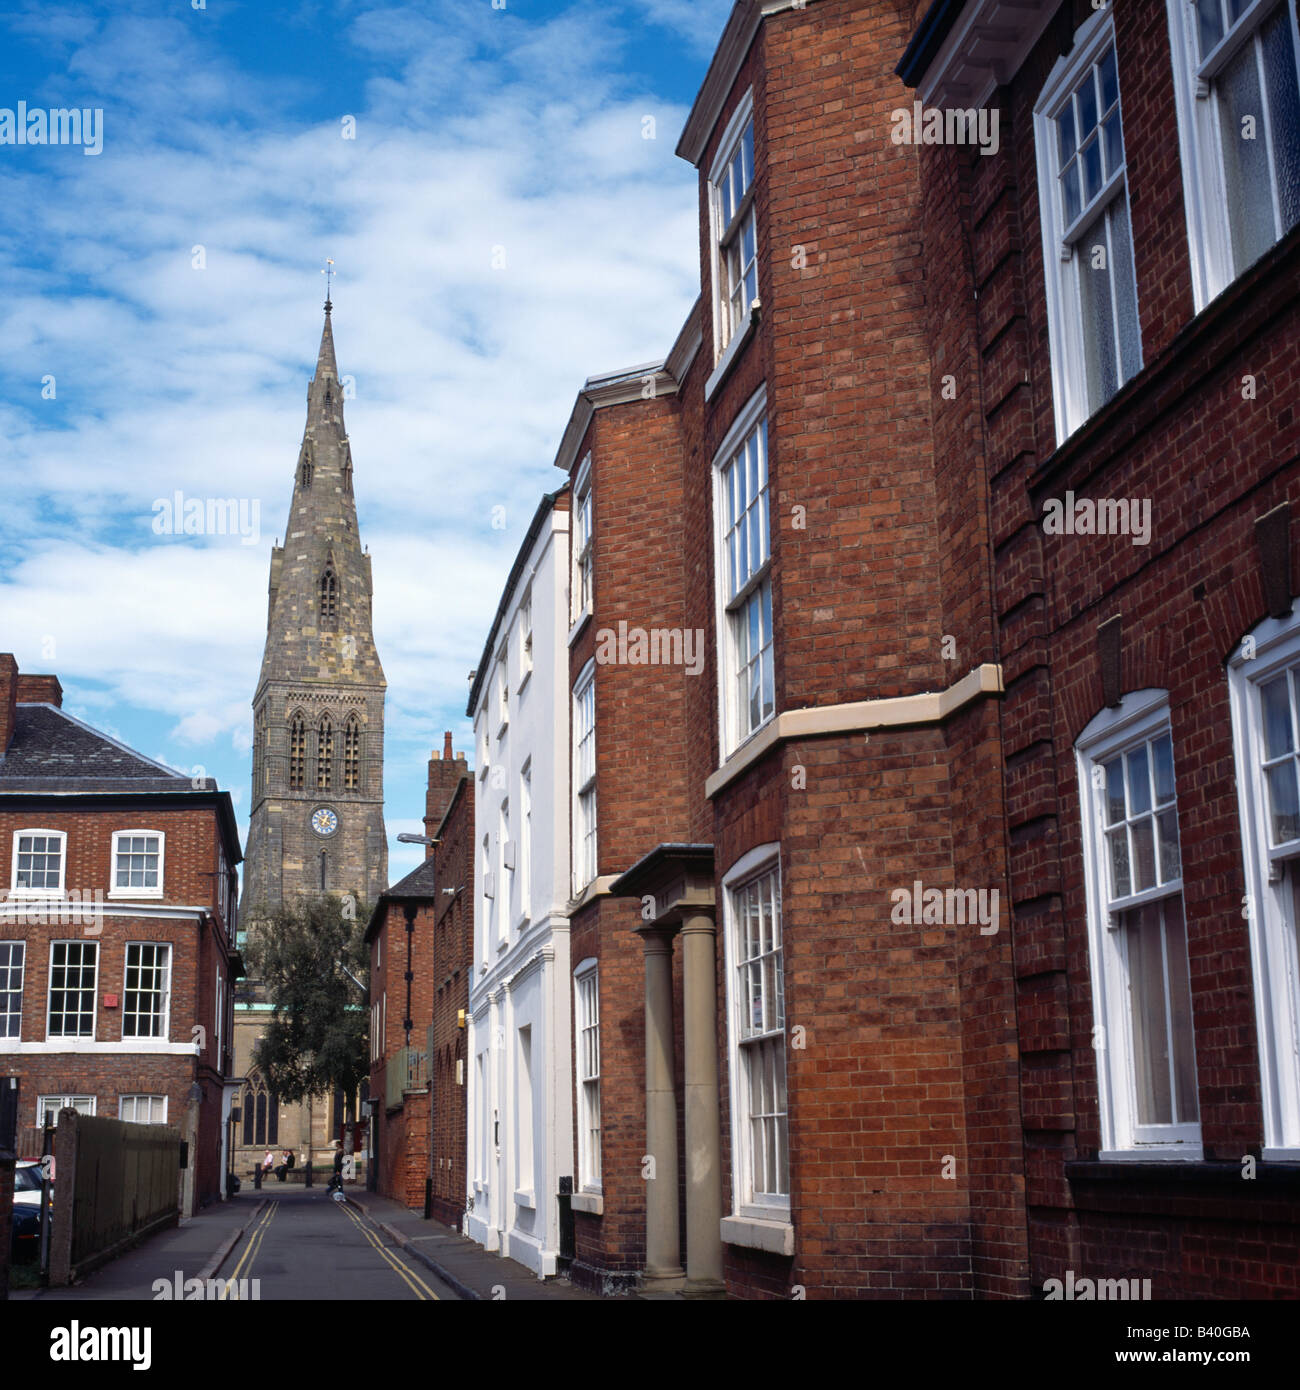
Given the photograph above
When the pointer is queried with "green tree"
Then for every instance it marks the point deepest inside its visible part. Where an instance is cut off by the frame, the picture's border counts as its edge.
(302, 952)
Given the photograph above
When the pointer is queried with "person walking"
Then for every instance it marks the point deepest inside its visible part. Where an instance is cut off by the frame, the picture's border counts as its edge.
(336, 1180)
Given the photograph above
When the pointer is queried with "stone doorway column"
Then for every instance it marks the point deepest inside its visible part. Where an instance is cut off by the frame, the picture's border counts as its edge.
(703, 1111)
(663, 1255)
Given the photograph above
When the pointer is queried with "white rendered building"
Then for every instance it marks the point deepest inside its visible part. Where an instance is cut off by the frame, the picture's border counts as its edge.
(520, 1130)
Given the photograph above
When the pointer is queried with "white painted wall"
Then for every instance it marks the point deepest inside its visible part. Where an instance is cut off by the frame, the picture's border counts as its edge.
(520, 974)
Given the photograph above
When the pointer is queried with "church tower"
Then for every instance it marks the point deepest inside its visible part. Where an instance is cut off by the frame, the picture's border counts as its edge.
(317, 818)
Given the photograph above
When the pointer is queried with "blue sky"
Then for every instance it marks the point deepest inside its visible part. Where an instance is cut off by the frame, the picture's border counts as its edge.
(180, 368)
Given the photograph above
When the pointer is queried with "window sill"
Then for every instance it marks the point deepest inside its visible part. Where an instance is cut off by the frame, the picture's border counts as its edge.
(522, 925)
(776, 1237)
(526, 1199)
(153, 894)
(731, 353)
(523, 681)
(34, 894)
(501, 729)
(593, 1203)
(1153, 1153)
(578, 624)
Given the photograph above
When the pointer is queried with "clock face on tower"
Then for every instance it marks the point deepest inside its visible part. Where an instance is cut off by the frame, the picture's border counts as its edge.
(324, 821)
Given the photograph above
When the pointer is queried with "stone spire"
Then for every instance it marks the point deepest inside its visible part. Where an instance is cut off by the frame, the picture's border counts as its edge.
(310, 633)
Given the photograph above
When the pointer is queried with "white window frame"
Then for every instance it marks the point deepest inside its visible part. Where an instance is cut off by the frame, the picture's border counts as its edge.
(582, 578)
(526, 842)
(757, 864)
(14, 890)
(21, 968)
(1205, 196)
(51, 1036)
(114, 891)
(132, 1102)
(1141, 715)
(733, 726)
(725, 329)
(506, 872)
(63, 1102)
(164, 1014)
(525, 638)
(586, 844)
(1065, 247)
(586, 1013)
(1269, 915)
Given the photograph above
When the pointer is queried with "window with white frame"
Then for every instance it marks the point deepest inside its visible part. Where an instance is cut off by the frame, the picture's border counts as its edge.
(1264, 686)
(747, 681)
(142, 1110)
(147, 990)
(756, 1033)
(502, 686)
(74, 967)
(735, 226)
(526, 839)
(525, 636)
(1237, 92)
(506, 851)
(13, 956)
(38, 860)
(51, 1105)
(524, 1112)
(1141, 980)
(581, 584)
(137, 863)
(1096, 343)
(584, 778)
(587, 991)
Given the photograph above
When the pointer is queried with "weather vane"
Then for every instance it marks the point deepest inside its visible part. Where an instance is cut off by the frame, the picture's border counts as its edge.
(328, 273)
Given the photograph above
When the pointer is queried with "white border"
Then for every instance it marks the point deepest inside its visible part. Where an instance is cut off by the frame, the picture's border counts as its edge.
(114, 891)
(731, 134)
(15, 891)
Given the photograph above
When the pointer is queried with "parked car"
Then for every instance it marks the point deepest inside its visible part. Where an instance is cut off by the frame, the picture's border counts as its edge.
(25, 1238)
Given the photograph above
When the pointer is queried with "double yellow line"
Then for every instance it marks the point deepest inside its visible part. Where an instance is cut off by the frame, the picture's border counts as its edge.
(417, 1285)
(254, 1244)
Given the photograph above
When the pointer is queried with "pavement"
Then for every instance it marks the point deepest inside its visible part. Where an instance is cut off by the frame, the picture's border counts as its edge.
(460, 1263)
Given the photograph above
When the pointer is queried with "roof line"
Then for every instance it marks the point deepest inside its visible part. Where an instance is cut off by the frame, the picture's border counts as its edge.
(108, 738)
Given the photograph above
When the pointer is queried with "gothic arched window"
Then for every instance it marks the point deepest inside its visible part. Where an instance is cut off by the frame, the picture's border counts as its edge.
(261, 1113)
(352, 753)
(329, 596)
(325, 754)
(307, 467)
(297, 751)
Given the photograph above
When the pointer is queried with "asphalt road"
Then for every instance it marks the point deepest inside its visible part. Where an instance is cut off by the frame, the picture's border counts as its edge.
(306, 1245)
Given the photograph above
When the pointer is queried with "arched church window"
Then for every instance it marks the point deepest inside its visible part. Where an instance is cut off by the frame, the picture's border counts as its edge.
(329, 596)
(352, 753)
(307, 468)
(261, 1113)
(297, 751)
(325, 754)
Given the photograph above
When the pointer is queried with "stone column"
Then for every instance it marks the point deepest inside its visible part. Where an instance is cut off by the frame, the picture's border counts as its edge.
(703, 1114)
(663, 1268)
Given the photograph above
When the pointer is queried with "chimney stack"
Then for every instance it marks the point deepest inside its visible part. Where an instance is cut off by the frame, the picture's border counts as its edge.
(8, 699)
(445, 773)
(40, 690)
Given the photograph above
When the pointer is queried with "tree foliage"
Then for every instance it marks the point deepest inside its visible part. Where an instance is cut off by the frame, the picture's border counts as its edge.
(316, 1039)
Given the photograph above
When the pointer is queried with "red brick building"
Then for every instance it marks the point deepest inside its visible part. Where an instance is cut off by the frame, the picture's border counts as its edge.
(410, 939)
(116, 929)
(1114, 291)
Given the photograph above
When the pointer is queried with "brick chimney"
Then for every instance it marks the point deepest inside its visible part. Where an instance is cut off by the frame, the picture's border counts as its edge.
(445, 772)
(8, 699)
(40, 690)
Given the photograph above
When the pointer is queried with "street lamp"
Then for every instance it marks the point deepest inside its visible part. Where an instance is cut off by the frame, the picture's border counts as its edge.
(408, 839)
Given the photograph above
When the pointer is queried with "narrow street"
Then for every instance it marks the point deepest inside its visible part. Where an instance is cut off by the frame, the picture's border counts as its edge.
(306, 1245)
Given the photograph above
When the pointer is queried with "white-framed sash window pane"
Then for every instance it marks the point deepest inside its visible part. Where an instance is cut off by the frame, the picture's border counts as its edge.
(51, 1105)
(1144, 1037)
(143, 1110)
(1264, 689)
(584, 780)
(735, 224)
(526, 840)
(588, 1017)
(748, 673)
(74, 967)
(138, 863)
(1091, 285)
(13, 956)
(756, 1005)
(147, 989)
(1237, 88)
(581, 582)
(38, 861)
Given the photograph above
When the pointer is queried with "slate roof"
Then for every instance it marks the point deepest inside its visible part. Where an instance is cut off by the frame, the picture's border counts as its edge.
(419, 883)
(53, 752)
